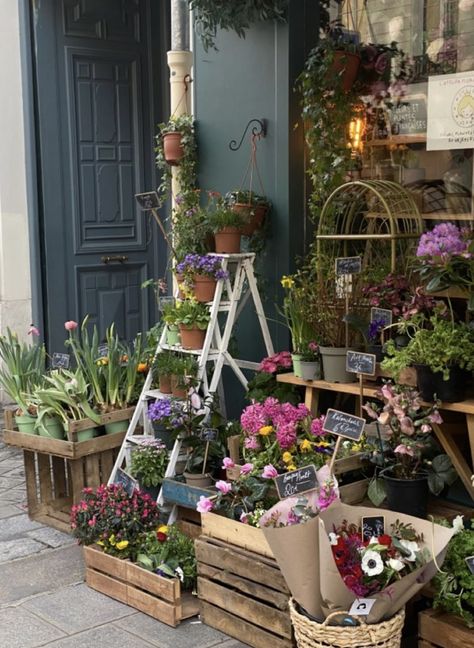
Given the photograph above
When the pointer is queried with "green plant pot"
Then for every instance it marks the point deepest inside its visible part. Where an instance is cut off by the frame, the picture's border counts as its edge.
(296, 359)
(116, 427)
(26, 424)
(85, 435)
(172, 336)
(52, 428)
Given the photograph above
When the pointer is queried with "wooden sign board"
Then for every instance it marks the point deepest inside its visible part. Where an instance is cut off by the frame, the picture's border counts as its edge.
(409, 117)
(348, 265)
(60, 361)
(126, 481)
(361, 363)
(148, 200)
(344, 425)
(297, 482)
(381, 315)
(373, 527)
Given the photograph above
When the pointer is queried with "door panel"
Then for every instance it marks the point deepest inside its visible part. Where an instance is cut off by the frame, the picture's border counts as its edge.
(97, 71)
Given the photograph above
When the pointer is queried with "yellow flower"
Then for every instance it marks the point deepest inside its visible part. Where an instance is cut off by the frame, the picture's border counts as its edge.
(291, 467)
(99, 542)
(102, 361)
(112, 540)
(324, 444)
(123, 544)
(306, 446)
(287, 457)
(357, 447)
(163, 529)
(266, 430)
(287, 281)
(142, 367)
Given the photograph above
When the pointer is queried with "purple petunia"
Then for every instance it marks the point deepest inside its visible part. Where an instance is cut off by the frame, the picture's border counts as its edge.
(443, 241)
(204, 264)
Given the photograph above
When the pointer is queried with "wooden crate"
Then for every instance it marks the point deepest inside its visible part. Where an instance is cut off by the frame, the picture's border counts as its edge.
(235, 533)
(243, 594)
(441, 630)
(178, 492)
(145, 591)
(57, 470)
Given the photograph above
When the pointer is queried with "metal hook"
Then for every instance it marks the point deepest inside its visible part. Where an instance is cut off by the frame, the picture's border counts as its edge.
(256, 132)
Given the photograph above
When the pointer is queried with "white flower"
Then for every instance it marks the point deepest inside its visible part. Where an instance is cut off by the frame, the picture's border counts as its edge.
(458, 524)
(180, 573)
(373, 540)
(372, 563)
(333, 538)
(412, 547)
(395, 564)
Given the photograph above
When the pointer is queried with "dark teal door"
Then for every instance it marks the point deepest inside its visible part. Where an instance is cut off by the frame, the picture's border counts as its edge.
(100, 93)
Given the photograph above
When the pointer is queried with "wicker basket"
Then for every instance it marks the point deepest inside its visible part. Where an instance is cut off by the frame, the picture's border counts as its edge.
(309, 634)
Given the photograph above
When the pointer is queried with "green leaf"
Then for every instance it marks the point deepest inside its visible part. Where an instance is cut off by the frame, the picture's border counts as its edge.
(376, 491)
(442, 463)
(435, 483)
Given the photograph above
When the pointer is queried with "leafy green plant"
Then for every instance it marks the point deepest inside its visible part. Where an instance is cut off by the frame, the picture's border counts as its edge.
(165, 363)
(185, 368)
(192, 314)
(244, 496)
(148, 462)
(222, 216)
(245, 197)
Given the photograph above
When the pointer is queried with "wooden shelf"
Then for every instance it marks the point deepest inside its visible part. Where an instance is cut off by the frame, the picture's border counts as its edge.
(397, 139)
(447, 216)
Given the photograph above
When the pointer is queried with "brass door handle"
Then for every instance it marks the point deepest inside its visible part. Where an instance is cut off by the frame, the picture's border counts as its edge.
(114, 259)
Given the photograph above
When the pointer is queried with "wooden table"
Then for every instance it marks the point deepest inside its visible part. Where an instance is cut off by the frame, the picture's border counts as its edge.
(444, 432)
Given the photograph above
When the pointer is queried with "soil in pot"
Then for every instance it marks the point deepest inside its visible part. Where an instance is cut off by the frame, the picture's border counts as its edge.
(204, 288)
(172, 149)
(409, 496)
(26, 424)
(310, 370)
(164, 383)
(178, 391)
(431, 385)
(52, 428)
(172, 336)
(192, 338)
(116, 427)
(296, 360)
(228, 240)
(334, 365)
(198, 479)
(346, 65)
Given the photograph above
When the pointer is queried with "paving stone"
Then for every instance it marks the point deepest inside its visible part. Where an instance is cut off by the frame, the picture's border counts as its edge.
(16, 526)
(13, 495)
(46, 572)
(9, 510)
(19, 548)
(104, 637)
(50, 537)
(21, 629)
(189, 634)
(232, 643)
(77, 608)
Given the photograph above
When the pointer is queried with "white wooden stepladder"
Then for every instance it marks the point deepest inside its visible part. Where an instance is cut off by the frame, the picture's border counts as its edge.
(239, 287)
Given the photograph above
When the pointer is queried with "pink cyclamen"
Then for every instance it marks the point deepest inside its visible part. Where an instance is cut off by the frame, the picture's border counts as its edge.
(269, 472)
(227, 462)
(205, 505)
(223, 486)
(70, 325)
(246, 469)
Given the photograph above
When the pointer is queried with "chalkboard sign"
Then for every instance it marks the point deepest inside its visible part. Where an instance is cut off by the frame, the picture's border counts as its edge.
(348, 265)
(470, 563)
(373, 527)
(208, 434)
(296, 482)
(344, 425)
(363, 363)
(128, 483)
(103, 351)
(383, 315)
(410, 116)
(148, 200)
(60, 361)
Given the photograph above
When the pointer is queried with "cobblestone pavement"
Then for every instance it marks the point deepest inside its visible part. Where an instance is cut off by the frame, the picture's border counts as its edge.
(43, 599)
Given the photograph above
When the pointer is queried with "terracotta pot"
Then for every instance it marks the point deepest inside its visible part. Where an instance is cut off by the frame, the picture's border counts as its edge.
(197, 479)
(192, 338)
(254, 216)
(165, 384)
(228, 240)
(176, 389)
(204, 288)
(345, 65)
(172, 149)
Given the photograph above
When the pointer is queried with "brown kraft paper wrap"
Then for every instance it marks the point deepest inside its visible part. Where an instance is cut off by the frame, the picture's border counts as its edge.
(334, 593)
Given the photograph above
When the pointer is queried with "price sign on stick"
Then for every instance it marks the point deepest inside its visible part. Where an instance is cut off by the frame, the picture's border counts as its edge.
(361, 363)
(60, 361)
(373, 527)
(348, 265)
(343, 425)
(296, 482)
(383, 315)
(150, 201)
(128, 483)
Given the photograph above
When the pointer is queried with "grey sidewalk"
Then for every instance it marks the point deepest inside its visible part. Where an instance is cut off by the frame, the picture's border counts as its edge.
(43, 599)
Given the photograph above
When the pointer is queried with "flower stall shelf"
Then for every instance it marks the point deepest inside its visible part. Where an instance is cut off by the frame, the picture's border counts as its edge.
(235, 533)
(143, 590)
(184, 495)
(242, 592)
(441, 630)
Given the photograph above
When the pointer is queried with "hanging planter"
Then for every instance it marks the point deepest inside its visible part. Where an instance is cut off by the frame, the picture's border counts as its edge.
(346, 66)
(175, 142)
(173, 148)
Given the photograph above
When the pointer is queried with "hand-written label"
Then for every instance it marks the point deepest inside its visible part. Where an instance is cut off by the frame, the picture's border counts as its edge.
(364, 363)
(208, 434)
(103, 351)
(348, 265)
(128, 483)
(60, 361)
(373, 527)
(362, 607)
(296, 482)
(345, 425)
(148, 200)
(382, 315)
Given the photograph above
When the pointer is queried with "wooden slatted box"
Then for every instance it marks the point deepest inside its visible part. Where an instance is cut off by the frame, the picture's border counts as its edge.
(441, 630)
(243, 594)
(143, 590)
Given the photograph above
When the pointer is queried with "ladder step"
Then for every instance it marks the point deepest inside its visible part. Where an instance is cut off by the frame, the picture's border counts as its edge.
(155, 393)
(213, 353)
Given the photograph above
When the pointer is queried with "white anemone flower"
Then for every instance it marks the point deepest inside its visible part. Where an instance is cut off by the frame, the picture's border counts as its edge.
(412, 547)
(333, 537)
(458, 524)
(179, 573)
(395, 564)
(372, 563)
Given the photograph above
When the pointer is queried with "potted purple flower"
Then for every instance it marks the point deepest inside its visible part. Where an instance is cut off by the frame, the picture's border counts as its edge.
(200, 273)
(166, 416)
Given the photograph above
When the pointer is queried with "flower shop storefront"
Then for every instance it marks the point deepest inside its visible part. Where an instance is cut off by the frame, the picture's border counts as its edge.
(332, 507)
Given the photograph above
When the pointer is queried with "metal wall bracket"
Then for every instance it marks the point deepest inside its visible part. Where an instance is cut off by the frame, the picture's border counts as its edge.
(259, 131)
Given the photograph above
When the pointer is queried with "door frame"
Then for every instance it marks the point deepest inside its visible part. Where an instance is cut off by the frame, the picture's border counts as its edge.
(33, 170)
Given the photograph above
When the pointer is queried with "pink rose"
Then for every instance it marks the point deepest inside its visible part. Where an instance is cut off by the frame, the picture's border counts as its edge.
(269, 472)
(227, 462)
(246, 469)
(205, 505)
(223, 486)
(70, 325)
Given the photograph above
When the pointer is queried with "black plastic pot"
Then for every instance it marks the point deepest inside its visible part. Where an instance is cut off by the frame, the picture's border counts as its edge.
(431, 385)
(162, 433)
(409, 496)
(377, 350)
(152, 491)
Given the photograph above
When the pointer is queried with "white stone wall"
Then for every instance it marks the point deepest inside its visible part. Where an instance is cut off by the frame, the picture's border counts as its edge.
(15, 283)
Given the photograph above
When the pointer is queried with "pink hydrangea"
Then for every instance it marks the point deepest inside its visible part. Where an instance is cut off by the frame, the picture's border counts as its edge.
(286, 435)
(251, 443)
(317, 426)
(253, 418)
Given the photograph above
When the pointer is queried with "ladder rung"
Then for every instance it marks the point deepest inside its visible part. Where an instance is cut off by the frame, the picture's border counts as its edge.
(213, 353)
(155, 393)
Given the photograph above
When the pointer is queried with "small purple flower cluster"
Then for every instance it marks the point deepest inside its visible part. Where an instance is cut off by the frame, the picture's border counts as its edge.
(445, 240)
(166, 411)
(205, 264)
(374, 329)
